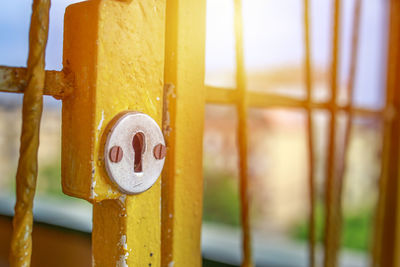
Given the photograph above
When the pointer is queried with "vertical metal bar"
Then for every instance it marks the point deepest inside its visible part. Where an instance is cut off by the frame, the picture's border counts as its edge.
(332, 203)
(310, 137)
(21, 242)
(351, 81)
(386, 238)
(350, 88)
(242, 135)
(337, 187)
(184, 100)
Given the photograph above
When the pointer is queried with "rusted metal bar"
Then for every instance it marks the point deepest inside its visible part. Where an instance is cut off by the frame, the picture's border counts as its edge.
(262, 100)
(342, 162)
(332, 203)
(242, 136)
(217, 95)
(310, 136)
(58, 84)
(229, 96)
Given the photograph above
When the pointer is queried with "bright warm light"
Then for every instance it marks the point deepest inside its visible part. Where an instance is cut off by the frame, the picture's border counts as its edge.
(273, 39)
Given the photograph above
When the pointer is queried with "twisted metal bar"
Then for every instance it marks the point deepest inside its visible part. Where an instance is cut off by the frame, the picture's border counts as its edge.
(310, 137)
(21, 242)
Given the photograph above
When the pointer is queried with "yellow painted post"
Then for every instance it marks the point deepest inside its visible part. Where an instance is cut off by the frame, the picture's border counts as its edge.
(184, 97)
(115, 50)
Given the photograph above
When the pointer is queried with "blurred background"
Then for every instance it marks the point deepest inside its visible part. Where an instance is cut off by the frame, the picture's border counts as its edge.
(278, 169)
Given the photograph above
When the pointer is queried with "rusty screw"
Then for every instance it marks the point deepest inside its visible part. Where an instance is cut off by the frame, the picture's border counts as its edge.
(116, 154)
(160, 151)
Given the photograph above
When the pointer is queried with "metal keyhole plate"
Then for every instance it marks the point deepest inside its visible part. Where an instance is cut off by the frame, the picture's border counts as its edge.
(121, 169)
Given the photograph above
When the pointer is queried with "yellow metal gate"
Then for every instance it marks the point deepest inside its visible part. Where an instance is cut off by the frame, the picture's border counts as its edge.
(148, 56)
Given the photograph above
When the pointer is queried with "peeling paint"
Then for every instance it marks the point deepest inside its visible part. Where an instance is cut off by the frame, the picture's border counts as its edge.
(122, 260)
(122, 198)
(122, 242)
(109, 192)
(168, 92)
(93, 185)
(27, 232)
(101, 121)
(92, 189)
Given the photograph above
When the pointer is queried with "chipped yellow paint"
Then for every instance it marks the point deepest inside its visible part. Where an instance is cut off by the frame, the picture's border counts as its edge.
(115, 49)
(182, 179)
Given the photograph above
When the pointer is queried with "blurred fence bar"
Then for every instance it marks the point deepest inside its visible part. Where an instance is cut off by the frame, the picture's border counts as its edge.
(242, 135)
(335, 169)
(332, 198)
(229, 96)
(386, 245)
(310, 137)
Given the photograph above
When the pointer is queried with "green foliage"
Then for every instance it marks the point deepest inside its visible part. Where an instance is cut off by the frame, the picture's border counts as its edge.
(356, 229)
(49, 180)
(221, 199)
(300, 231)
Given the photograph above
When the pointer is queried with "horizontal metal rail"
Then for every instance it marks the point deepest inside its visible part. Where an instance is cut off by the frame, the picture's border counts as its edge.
(229, 96)
(57, 83)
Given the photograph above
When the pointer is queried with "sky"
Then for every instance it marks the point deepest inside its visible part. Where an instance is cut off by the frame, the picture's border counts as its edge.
(273, 38)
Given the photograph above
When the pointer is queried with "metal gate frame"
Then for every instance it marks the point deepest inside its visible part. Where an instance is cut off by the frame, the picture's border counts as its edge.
(149, 56)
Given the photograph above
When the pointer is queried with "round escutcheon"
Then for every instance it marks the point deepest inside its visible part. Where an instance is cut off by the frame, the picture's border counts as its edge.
(129, 155)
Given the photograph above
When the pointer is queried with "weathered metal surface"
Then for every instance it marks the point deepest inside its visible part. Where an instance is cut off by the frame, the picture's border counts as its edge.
(14, 80)
(115, 50)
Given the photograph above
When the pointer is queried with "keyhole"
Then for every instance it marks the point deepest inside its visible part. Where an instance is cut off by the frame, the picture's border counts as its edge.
(138, 147)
